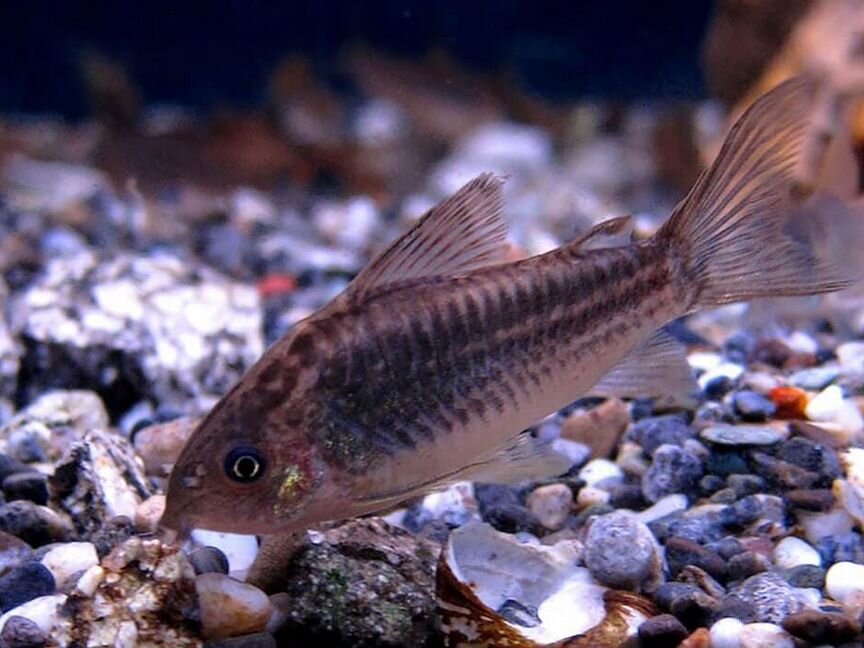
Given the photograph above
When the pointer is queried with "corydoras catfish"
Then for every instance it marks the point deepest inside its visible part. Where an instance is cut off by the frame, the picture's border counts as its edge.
(432, 363)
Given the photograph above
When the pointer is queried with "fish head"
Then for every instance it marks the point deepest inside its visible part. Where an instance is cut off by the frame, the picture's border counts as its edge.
(248, 467)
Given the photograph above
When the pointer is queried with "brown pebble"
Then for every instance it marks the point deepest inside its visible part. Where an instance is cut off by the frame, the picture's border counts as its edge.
(810, 499)
(159, 445)
(662, 631)
(816, 434)
(822, 627)
(789, 401)
(699, 639)
(599, 428)
(149, 512)
(782, 473)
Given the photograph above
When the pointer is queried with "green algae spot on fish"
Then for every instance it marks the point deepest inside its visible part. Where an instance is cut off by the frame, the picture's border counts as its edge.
(429, 366)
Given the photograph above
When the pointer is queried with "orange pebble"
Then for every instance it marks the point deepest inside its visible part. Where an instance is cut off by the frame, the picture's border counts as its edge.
(789, 401)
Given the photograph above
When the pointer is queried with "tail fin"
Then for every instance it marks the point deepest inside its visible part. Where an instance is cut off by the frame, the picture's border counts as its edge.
(741, 233)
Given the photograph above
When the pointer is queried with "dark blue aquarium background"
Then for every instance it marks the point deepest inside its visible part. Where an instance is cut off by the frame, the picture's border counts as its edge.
(204, 54)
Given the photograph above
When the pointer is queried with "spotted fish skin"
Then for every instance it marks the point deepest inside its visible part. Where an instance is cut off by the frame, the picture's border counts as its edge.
(422, 359)
(442, 351)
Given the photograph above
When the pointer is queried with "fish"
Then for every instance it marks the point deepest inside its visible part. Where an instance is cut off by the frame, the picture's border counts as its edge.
(442, 352)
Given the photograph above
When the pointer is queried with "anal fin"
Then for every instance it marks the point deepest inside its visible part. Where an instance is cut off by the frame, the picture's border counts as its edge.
(657, 368)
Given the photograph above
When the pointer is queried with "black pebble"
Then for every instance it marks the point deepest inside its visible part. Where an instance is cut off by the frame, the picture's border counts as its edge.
(31, 524)
(25, 583)
(681, 552)
(718, 388)
(21, 632)
(31, 486)
(11, 466)
(662, 631)
(255, 640)
(746, 564)
(207, 560)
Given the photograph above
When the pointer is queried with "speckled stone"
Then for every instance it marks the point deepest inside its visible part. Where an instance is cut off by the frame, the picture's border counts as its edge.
(21, 632)
(621, 552)
(770, 598)
(673, 470)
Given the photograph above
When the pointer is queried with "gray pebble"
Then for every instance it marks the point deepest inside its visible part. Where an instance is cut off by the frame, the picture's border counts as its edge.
(673, 470)
(209, 560)
(769, 596)
(35, 525)
(753, 407)
(814, 378)
(621, 552)
(805, 576)
(746, 564)
(654, 431)
(21, 632)
(742, 435)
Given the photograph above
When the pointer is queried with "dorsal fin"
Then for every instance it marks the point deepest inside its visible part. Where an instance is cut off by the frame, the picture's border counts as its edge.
(462, 233)
(615, 232)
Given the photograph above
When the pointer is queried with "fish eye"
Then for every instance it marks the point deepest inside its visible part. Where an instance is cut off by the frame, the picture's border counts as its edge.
(244, 464)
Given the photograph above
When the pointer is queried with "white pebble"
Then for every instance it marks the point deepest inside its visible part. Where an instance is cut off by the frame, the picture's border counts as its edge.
(577, 453)
(844, 582)
(829, 406)
(551, 504)
(43, 611)
(851, 357)
(592, 496)
(663, 507)
(455, 504)
(241, 550)
(598, 470)
(765, 635)
(229, 607)
(824, 523)
(726, 633)
(704, 360)
(89, 581)
(801, 342)
(69, 560)
(791, 552)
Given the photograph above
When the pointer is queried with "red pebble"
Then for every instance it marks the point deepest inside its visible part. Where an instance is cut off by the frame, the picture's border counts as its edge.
(276, 284)
(789, 401)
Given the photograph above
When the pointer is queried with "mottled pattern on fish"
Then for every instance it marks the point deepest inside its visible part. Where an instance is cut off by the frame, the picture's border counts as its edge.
(415, 360)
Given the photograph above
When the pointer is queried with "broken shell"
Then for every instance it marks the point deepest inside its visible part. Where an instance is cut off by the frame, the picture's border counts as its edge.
(494, 591)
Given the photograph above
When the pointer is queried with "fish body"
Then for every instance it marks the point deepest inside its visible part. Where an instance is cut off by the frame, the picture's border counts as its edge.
(437, 357)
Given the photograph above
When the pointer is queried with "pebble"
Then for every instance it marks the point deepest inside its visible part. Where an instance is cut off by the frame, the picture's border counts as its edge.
(844, 582)
(769, 598)
(43, 611)
(148, 513)
(820, 627)
(21, 632)
(728, 370)
(744, 485)
(67, 561)
(551, 504)
(752, 407)
(744, 435)
(13, 551)
(746, 564)
(599, 470)
(726, 633)
(765, 635)
(782, 473)
(208, 560)
(829, 406)
(681, 552)
(598, 428)
(160, 444)
(654, 431)
(240, 549)
(662, 631)
(850, 355)
(229, 607)
(814, 378)
(31, 486)
(811, 456)
(673, 470)
(254, 640)
(791, 552)
(25, 583)
(12, 466)
(621, 552)
(790, 401)
(804, 576)
(669, 505)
